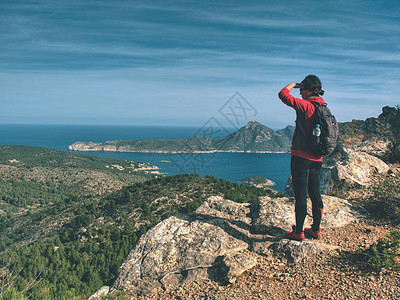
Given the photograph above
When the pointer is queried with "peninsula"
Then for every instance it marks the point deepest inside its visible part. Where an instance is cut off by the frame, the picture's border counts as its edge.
(252, 138)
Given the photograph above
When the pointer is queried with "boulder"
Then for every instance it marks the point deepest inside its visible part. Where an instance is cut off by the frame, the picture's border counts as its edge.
(294, 251)
(174, 245)
(350, 169)
(337, 212)
(235, 264)
(218, 207)
(273, 215)
(346, 169)
(276, 215)
(103, 291)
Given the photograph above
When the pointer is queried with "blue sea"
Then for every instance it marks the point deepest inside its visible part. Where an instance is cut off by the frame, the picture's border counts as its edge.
(230, 166)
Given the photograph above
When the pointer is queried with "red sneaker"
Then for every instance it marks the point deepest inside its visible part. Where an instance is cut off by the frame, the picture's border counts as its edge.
(312, 234)
(292, 235)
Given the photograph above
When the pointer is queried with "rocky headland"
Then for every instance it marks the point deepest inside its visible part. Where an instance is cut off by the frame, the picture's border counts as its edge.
(254, 137)
(230, 250)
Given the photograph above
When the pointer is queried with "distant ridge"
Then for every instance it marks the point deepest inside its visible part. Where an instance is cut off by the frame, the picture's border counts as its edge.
(254, 137)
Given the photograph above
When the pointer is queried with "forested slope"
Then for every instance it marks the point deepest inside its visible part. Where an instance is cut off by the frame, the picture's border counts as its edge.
(68, 239)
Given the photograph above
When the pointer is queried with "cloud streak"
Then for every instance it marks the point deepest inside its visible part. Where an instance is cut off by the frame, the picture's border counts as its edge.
(77, 59)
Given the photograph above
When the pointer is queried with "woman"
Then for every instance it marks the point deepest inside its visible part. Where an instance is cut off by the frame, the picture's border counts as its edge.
(305, 166)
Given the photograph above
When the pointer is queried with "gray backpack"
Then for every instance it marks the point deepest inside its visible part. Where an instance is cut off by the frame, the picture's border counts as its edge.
(326, 143)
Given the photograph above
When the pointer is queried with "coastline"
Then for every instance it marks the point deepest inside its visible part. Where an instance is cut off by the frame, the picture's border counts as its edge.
(175, 152)
(252, 138)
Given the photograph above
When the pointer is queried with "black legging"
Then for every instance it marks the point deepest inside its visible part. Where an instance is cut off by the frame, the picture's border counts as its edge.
(306, 175)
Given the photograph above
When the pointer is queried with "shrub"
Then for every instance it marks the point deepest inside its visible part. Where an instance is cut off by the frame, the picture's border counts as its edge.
(384, 253)
(385, 201)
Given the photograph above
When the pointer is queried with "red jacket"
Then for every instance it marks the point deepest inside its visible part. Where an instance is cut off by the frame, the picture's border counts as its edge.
(304, 111)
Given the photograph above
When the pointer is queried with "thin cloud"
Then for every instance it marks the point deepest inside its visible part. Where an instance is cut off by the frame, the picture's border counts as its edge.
(76, 56)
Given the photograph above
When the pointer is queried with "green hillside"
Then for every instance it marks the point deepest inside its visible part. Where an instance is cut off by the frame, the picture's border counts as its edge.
(71, 245)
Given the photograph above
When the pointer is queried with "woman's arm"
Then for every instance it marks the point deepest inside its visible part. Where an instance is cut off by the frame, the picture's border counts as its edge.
(290, 86)
(296, 103)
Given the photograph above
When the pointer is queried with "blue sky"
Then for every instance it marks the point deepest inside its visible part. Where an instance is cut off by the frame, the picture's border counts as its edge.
(178, 62)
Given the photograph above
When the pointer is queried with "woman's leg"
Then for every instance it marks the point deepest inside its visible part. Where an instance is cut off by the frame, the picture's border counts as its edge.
(315, 194)
(300, 175)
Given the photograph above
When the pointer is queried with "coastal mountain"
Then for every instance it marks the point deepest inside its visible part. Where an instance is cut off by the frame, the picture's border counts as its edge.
(254, 137)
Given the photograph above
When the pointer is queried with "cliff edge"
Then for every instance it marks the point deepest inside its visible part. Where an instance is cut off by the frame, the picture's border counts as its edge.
(222, 239)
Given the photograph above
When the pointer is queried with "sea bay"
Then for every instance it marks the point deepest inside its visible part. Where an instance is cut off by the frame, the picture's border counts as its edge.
(229, 166)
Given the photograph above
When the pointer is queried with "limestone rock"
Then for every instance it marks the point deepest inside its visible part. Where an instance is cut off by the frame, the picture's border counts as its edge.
(235, 264)
(346, 169)
(273, 215)
(337, 212)
(218, 207)
(373, 135)
(360, 167)
(276, 216)
(349, 169)
(294, 251)
(263, 248)
(175, 244)
(100, 293)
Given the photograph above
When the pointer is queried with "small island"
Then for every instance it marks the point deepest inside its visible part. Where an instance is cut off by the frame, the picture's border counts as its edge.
(257, 181)
(263, 183)
(252, 138)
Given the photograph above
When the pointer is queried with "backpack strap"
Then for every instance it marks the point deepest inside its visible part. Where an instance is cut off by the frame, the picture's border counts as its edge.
(318, 104)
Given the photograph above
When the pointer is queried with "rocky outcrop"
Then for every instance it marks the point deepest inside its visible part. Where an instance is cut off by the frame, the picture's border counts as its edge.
(348, 169)
(176, 250)
(372, 136)
(344, 170)
(100, 293)
(275, 216)
(86, 146)
(222, 239)
(235, 264)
